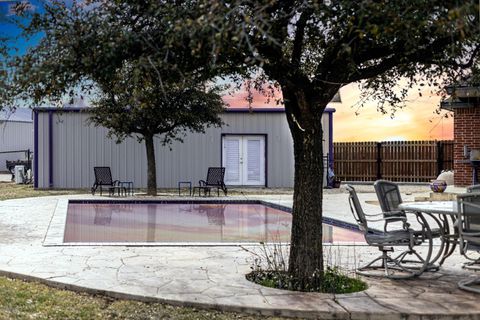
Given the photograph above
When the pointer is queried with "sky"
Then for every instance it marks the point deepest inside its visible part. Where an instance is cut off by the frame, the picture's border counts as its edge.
(417, 121)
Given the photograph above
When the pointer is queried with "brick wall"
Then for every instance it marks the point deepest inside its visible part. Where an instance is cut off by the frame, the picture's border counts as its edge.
(466, 132)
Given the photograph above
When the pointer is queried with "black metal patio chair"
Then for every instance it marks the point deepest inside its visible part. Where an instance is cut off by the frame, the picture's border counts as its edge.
(215, 179)
(468, 222)
(103, 178)
(389, 197)
(405, 238)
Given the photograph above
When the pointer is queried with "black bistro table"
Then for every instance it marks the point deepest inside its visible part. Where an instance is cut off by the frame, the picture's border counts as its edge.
(127, 187)
(206, 190)
(187, 184)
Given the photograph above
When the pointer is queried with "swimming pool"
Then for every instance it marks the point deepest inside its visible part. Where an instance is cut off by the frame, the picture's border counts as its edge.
(174, 222)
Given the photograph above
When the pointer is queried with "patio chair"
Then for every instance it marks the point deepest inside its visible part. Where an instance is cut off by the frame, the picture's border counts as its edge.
(386, 241)
(103, 177)
(469, 236)
(473, 188)
(389, 197)
(215, 179)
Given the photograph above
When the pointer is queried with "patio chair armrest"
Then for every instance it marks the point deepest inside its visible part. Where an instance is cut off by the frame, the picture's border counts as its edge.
(202, 183)
(397, 214)
(375, 220)
(471, 234)
(387, 219)
(373, 214)
(116, 183)
(397, 218)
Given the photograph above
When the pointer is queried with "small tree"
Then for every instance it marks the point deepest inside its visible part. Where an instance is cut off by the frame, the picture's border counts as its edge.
(140, 84)
(137, 105)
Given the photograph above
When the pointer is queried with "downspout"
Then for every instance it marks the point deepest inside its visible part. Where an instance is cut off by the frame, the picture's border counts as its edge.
(330, 137)
(50, 149)
(330, 141)
(35, 149)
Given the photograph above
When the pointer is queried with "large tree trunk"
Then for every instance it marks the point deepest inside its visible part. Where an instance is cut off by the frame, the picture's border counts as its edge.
(306, 256)
(151, 166)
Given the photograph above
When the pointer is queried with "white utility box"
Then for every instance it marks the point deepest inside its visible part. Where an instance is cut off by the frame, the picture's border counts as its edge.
(19, 174)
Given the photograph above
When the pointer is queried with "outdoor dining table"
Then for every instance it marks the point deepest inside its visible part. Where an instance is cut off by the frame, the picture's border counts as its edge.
(445, 213)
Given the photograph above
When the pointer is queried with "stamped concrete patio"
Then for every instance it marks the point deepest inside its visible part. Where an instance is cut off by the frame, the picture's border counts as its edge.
(214, 277)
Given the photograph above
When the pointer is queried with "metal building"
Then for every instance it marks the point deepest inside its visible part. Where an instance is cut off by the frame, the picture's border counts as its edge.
(255, 147)
(16, 135)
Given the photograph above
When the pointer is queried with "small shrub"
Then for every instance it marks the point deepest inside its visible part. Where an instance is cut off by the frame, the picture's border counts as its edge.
(332, 281)
(269, 269)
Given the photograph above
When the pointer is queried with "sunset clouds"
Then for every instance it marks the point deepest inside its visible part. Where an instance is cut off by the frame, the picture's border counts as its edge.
(417, 121)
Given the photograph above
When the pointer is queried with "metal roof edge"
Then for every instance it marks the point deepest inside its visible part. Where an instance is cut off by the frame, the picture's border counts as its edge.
(452, 105)
(254, 110)
(55, 109)
(15, 121)
(227, 110)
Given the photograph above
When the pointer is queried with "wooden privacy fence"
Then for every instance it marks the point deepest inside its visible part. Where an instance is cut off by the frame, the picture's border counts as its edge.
(407, 161)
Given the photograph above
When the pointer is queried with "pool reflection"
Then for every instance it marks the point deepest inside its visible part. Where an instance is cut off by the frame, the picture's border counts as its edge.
(173, 222)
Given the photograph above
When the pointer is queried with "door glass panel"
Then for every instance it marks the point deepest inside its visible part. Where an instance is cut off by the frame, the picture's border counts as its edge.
(253, 161)
(232, 160)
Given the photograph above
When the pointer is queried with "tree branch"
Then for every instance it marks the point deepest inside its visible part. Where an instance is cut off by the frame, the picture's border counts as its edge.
(424, 55)
(299, 36)
(470, 62)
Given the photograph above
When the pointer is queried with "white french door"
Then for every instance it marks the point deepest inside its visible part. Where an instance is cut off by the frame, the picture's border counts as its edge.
(244, 160)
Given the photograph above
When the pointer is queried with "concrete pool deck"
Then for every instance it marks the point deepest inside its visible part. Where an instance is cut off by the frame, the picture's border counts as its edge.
(214, 277)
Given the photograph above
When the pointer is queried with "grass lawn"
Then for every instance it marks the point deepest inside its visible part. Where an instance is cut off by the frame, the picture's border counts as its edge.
(30, 300)
(9, 190)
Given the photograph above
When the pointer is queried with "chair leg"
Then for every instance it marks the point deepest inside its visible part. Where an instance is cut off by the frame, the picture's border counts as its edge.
(388, 268)
(472, 265)
(381, 270)
(420, 264)
(393, 268)
(467, 284)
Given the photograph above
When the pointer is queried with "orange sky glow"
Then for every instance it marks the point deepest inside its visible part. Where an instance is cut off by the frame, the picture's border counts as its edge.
(417, 121)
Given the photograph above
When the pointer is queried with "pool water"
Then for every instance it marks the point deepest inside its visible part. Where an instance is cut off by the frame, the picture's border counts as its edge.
(185, 223)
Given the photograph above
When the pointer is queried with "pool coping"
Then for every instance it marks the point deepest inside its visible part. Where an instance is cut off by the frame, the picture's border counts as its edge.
(56, 229)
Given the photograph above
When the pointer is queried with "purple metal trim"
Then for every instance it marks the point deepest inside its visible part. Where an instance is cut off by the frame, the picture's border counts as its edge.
(50, 149)
(266, 160)
(43, 109)
(330, 139)
(255, 110)
(35, 149)
(227, 110)
(266, 110)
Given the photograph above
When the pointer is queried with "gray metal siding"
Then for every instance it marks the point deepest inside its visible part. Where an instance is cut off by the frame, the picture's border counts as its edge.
(15, 136)
(78, 147)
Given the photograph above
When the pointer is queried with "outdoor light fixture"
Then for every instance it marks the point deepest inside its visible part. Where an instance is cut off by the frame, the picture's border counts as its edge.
(466, 151)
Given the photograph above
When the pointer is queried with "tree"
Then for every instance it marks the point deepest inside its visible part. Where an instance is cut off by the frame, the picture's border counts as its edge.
(310, 49)
(140, 84)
